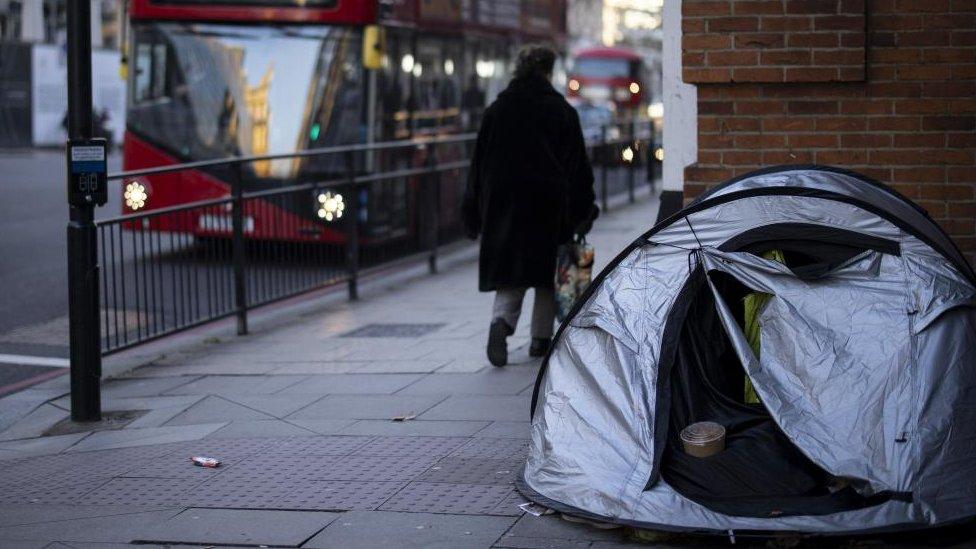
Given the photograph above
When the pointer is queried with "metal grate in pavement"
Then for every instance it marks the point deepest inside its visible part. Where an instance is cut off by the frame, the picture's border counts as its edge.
(457, 499)
(473, 471)
(404, 446)
(393, 330)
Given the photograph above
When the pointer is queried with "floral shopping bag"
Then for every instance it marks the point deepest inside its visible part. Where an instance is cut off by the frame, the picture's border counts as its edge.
(574, 270)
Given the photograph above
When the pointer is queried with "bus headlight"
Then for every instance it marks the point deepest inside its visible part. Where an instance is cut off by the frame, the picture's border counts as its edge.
(627, 155)
(329, 206)
(574, 85)
(634, 88)
(136, 194)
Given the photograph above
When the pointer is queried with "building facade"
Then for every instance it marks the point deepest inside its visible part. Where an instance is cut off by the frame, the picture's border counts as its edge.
(886, 88)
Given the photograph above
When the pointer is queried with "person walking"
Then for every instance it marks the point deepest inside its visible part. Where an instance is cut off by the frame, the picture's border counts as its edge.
(529, 189)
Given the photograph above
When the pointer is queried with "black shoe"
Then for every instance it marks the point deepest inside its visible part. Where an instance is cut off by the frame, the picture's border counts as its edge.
(539, 346)
(497, 346)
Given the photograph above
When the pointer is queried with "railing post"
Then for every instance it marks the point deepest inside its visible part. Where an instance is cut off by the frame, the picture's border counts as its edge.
(352, 228)
(239, 252)
(635, 160)
(604, 160)
(83, 301)
(431, 198)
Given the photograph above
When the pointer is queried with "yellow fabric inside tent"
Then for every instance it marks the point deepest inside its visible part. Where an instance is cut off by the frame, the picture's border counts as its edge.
(753, 304)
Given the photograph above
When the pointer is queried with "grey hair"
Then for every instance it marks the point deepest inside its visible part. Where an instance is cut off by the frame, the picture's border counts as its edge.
(535, 60)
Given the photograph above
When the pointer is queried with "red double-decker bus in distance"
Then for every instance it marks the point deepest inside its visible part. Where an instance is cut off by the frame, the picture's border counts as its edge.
(210, 80)
(615, 75)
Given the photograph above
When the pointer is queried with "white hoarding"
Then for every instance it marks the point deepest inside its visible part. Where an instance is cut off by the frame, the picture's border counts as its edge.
(49, 92)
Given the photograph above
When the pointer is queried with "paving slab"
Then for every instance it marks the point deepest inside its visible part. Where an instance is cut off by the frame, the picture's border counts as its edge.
(414, 428)
(140, 387)
(337, 384)
(420, 366)
(262, 428)
(138, 492)
(506, 429)
(483, 408)
(234, 385)
(461, 499)
(493, 448)
(20, 515)
(239, 526)
(213, 409)
(35, 423)
(407, 446)
(278, 406)
(371, 529)
(30, 544)
(41, 446)
(95, 529)
(459, 470)
(556, 527)
(324, 426)
(495, 381)
(508, 541)
(139, 437)
(367, 407)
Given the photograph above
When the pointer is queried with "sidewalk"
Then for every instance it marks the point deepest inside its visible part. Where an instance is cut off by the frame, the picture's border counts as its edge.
(304, 418)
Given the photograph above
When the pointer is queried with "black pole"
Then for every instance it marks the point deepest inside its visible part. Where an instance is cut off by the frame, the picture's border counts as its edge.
(352, 228)
(239, 253)
(604, 157)
(85, 353)
(431, 209)
(634, 161)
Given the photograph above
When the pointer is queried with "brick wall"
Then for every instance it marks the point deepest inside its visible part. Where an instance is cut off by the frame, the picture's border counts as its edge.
(885, 87)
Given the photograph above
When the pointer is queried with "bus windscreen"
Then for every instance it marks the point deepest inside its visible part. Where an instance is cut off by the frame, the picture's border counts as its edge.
(600, 67)
(208, 91)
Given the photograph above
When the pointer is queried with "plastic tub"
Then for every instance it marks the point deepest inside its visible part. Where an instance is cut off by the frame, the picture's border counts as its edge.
(703, 439)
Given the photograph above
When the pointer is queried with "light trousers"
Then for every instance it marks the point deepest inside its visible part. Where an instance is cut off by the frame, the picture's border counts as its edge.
(508, 306)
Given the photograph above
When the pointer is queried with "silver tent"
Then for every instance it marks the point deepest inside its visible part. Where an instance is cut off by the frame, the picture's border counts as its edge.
(866, 370)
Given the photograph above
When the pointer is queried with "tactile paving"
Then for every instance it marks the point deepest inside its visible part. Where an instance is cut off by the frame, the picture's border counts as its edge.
(473, 471)
(225, 449)
(332, 495)
(460, 499)
(494, 448)
(375, 468)
(316, 446)
(139, 492)
(235, 494)
(402, 446)
(62, 492)
(277, 467)
(178, 466)
(509, 506)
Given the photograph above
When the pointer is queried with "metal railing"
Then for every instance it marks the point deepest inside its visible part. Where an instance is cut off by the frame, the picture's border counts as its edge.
(170, 269)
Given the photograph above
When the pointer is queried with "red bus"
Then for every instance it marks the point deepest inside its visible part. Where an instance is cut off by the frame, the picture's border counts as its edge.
(210, 80)
(615, 75)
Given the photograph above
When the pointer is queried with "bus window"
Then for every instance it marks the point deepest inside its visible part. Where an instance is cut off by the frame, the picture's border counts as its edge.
(150, 72)
(595, 67)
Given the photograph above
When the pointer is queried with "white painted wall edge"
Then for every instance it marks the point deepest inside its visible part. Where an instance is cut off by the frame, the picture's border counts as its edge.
(680, 104)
